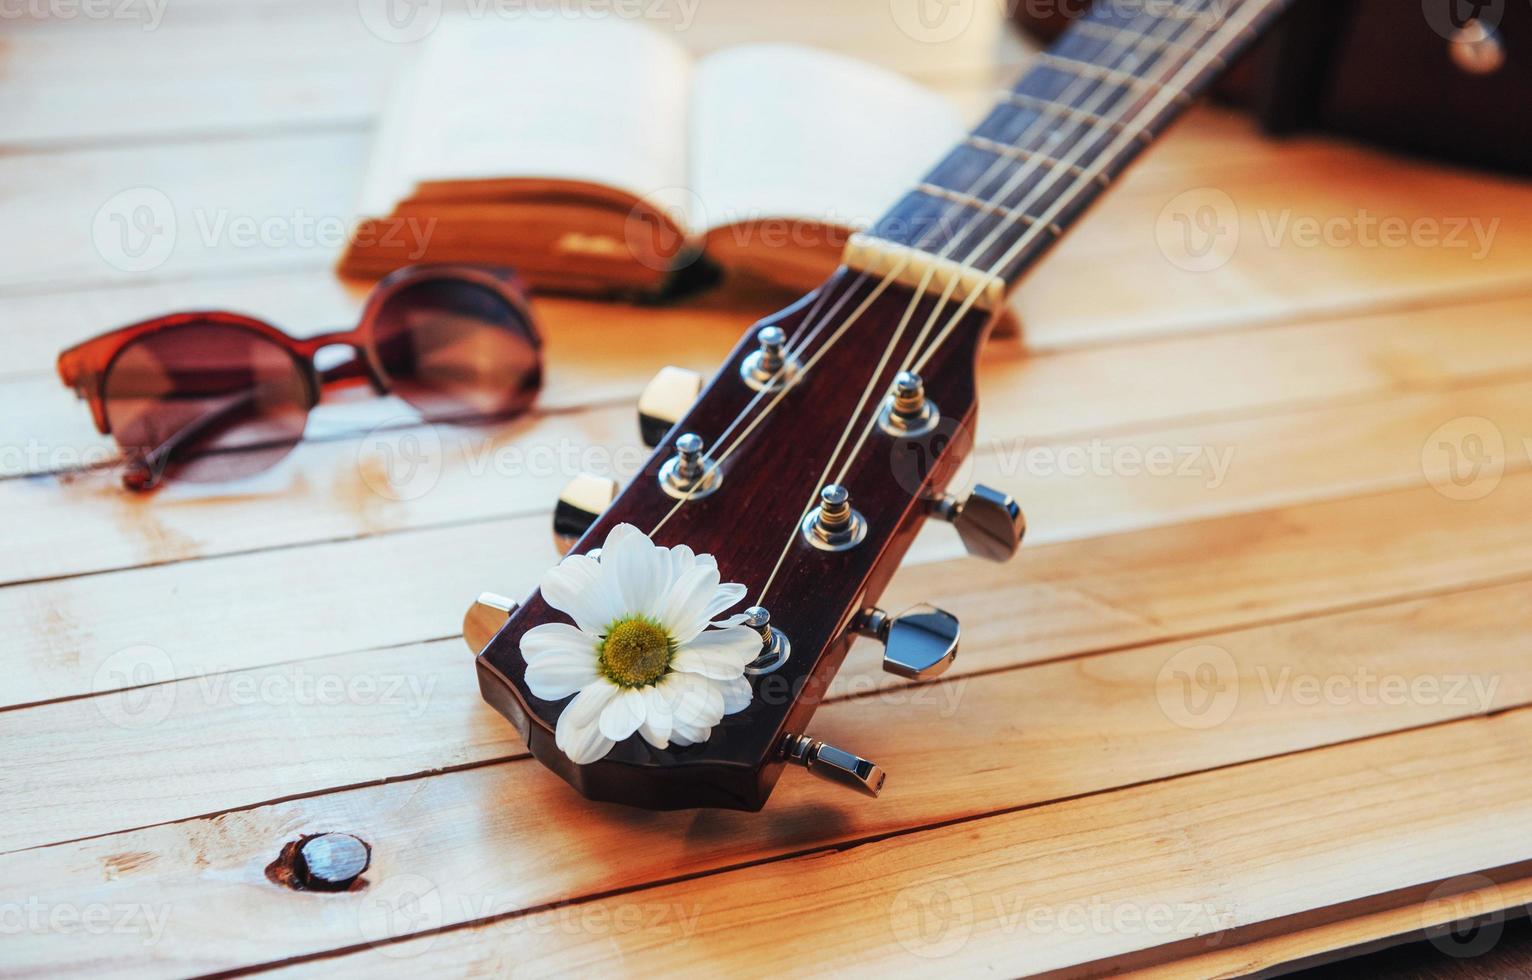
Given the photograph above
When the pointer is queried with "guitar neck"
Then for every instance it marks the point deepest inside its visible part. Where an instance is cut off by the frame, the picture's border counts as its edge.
(1114, 81)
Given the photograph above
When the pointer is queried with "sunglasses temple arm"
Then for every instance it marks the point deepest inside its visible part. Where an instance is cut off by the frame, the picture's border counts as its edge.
(151, 463)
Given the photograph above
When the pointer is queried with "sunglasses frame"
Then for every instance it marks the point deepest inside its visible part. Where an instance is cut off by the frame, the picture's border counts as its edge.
(85, 366)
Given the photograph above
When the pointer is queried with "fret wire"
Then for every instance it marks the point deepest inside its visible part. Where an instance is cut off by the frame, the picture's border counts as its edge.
(1096, 121)
(1207, 62)
(1124, 45)
(1106, 32)
(1075, 66)
(1024, 155)
(978, 204)
(1136, 42)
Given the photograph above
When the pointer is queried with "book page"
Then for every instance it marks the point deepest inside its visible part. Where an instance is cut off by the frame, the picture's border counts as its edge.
(597, 101)
(780, 131)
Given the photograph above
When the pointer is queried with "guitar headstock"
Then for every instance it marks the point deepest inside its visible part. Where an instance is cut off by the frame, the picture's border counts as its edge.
(741, 476)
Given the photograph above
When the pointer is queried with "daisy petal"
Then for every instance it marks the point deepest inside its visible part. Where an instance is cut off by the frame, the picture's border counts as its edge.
(578, 734)
(623, 714)
(719, 654)
(733, 620)
(555, 676)
(736, 695)
(656, 727)
(641, 571)
(728, 595)
(685, 612)
(557, 638)
(575, 587)
(699, 704)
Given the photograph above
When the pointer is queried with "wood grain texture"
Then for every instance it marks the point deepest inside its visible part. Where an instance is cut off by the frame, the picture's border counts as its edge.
(1011, 740)
(1023, 893)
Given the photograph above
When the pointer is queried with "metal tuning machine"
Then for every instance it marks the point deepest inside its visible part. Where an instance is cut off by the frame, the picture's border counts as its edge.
(989, 522)
(919, 643)
(837, 765)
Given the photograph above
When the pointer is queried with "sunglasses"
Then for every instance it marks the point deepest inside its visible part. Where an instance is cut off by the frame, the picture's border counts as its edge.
(214, 396)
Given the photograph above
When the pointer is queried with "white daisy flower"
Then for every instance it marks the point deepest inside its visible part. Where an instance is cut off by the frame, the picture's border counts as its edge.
(640, 656)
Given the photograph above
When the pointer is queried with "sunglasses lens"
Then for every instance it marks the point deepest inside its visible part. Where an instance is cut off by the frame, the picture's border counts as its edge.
(457, 350)
(204, 402)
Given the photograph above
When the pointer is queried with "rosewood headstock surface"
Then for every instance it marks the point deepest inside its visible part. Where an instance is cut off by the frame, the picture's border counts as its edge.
(768, 484)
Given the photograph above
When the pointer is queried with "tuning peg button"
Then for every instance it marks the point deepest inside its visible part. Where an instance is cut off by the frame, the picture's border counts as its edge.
(666, 398)
(583, 500)
(484, 619)
(919, 643)
(837, 765)
(989, 522)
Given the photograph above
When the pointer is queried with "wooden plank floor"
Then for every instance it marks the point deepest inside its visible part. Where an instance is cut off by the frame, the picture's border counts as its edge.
(1261, 705)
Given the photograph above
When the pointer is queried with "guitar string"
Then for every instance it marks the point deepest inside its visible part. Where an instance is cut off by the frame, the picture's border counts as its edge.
(790, 356)
(790, 353)
(1134, 40)
(1063, 165)
(917, 359)
(1196, 64)
(1129, 37)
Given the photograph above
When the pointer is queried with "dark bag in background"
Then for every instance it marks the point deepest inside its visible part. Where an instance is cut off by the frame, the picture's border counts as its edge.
(1447, 79)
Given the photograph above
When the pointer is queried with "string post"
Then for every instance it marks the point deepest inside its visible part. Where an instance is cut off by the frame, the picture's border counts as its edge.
(907, 412)
(768, 368)
(834, 525)
(775, 648)
(690, 473)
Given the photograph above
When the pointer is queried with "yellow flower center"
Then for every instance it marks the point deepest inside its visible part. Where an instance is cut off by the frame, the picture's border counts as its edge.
(635, 653)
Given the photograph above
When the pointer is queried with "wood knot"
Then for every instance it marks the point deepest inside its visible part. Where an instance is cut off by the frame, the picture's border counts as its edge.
(321, 863)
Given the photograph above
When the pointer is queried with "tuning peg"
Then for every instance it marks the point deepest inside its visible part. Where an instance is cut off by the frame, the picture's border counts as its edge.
(919, 643)
(583, 500)
(484, 619)
(666, 398)
(989, 522)
(837, 765)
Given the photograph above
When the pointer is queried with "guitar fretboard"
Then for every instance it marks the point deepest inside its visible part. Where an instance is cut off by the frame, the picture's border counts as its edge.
(1090, 104)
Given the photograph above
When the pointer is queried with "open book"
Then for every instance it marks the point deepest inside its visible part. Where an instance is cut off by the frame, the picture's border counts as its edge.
(596, 156)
